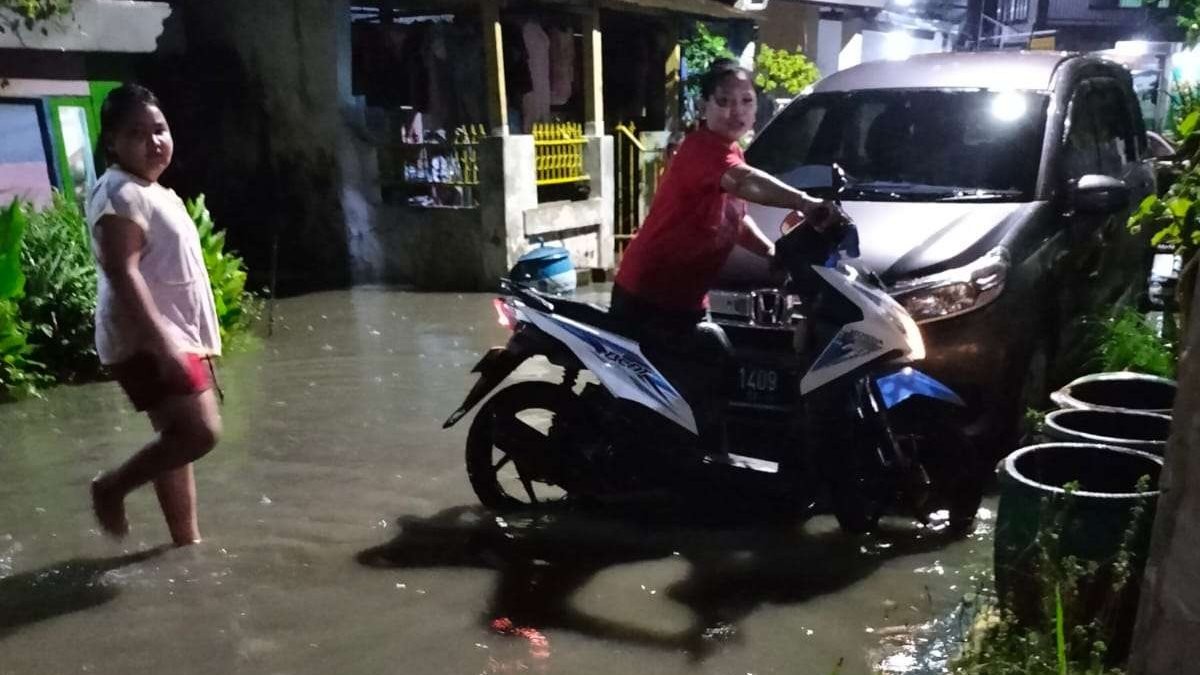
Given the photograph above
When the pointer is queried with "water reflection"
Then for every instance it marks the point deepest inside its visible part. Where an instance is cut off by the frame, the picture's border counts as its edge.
(724, 572)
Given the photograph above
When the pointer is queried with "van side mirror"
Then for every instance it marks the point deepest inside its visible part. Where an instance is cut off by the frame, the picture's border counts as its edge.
(1096, 194)
(1158, 146)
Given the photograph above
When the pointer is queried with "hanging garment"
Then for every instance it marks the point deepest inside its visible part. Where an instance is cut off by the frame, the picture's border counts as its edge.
(516, 66)
(535, 105)
(466, 71)
(437, 66)
(562, 65)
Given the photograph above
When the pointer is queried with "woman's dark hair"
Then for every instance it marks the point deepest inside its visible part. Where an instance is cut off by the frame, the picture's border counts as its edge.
(717, 72)
(118, 106)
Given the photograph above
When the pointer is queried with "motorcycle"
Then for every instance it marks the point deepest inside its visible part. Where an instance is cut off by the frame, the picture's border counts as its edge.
(808, 397)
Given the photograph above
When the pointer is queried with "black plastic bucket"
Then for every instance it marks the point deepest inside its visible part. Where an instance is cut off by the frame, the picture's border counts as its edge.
(1091, 524)
(1118, 391)
(1128, 429)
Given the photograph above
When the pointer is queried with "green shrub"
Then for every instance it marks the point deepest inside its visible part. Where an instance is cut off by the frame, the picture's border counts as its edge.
(1081, 605)
(60, 290)
(700, 49)
(30, 13)
(19, 375)
(237, 308)
(1129, 341)
(781, 72)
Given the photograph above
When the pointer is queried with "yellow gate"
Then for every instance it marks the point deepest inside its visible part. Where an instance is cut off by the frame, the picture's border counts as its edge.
(638, 171)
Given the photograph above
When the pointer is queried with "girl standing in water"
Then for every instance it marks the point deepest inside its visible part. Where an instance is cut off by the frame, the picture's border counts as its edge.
(156, 323)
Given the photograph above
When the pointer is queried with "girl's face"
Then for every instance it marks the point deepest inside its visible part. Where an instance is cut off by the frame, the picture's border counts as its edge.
(143, 144)
(730, 110)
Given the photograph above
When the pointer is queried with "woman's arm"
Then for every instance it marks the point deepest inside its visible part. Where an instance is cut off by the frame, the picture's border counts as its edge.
(120, 243)
(760, 187)
(752, 238)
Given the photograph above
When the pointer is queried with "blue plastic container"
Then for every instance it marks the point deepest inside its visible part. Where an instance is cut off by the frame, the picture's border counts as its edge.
(547, 268)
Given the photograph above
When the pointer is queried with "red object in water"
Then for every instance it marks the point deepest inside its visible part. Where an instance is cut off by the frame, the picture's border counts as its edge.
(539, 646)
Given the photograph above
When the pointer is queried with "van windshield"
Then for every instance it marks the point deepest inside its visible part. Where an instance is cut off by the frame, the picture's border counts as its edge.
(909, 144)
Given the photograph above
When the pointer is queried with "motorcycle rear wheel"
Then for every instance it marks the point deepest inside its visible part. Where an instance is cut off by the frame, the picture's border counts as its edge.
(515, 450)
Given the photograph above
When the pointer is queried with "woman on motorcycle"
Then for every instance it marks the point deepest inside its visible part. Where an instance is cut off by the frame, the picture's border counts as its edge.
(699, 212)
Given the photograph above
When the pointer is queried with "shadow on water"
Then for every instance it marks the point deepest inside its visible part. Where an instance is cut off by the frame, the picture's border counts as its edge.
(59, 589)
(733, 570)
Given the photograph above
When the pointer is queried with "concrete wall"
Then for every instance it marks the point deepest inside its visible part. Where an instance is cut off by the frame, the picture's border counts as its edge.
(436, 249)
(260, 118)
(95, 26)
(791, 26)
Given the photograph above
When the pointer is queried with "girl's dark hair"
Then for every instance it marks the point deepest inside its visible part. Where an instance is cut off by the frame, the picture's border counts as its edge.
(717, 72)
(118, 106)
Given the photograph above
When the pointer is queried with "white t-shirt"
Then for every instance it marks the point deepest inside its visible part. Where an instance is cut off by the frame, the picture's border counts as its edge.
(172, 264)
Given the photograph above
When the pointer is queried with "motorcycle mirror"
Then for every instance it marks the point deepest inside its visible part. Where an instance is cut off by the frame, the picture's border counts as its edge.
(838, 180)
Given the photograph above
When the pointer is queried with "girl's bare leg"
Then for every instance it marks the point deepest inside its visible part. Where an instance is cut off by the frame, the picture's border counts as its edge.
(176, 490)
(188, 428)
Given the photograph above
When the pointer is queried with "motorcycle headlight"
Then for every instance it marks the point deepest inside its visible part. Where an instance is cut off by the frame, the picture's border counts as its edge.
(957, 291)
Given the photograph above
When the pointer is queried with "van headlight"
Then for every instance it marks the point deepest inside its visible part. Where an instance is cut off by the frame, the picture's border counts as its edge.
(957, 291)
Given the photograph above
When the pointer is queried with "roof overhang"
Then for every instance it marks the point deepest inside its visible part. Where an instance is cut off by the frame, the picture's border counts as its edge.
(121, 26)
(706, 8)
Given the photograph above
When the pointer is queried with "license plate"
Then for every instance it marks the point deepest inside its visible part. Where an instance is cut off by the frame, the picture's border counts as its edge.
(764, 386)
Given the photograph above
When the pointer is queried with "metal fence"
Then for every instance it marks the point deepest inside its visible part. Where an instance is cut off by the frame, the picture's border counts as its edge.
(433, 171)
(638, 170)
(559, 147)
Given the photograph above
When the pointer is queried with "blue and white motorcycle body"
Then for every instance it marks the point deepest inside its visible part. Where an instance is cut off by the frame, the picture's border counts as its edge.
(817, 397)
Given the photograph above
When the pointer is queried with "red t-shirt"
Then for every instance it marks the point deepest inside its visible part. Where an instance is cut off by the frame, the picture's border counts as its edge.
(691, 229)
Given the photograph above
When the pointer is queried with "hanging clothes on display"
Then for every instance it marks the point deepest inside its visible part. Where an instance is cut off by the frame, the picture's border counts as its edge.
(562, 65)
(437, 66)
(466, 73)
(535, 105)
(516, 76)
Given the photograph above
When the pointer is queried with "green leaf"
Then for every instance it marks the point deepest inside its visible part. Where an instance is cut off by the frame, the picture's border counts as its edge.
(1179, 206)
(1188, 125)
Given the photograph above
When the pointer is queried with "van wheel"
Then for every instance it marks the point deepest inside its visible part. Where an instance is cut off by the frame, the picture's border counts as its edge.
(1034, 392)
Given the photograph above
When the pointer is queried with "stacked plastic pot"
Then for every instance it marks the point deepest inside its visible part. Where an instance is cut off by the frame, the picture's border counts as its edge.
(1088, 493)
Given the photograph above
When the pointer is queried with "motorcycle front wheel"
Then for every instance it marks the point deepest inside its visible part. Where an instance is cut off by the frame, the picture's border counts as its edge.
(516, 446)
(845, 452)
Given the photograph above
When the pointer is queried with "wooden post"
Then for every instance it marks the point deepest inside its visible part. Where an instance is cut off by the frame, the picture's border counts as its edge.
(1168, 620)
(493, 47)
(593, 73)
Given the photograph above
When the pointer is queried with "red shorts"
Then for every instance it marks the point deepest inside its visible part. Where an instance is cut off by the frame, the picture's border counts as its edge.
(145, 386)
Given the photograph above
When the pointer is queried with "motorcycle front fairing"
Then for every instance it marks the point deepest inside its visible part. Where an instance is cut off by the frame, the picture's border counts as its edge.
(875, 328)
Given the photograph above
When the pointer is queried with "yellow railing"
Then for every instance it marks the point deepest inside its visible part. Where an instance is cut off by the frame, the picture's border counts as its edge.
(638, 171)
(466, 143)
(559, 147)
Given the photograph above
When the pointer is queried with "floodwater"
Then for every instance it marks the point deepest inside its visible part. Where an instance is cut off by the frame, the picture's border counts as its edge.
(342, 537)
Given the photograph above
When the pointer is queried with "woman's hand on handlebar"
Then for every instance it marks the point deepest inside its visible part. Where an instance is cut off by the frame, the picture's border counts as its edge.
(821, 214)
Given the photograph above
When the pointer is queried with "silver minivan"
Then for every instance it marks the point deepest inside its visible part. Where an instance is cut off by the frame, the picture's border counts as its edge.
(991, 192)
